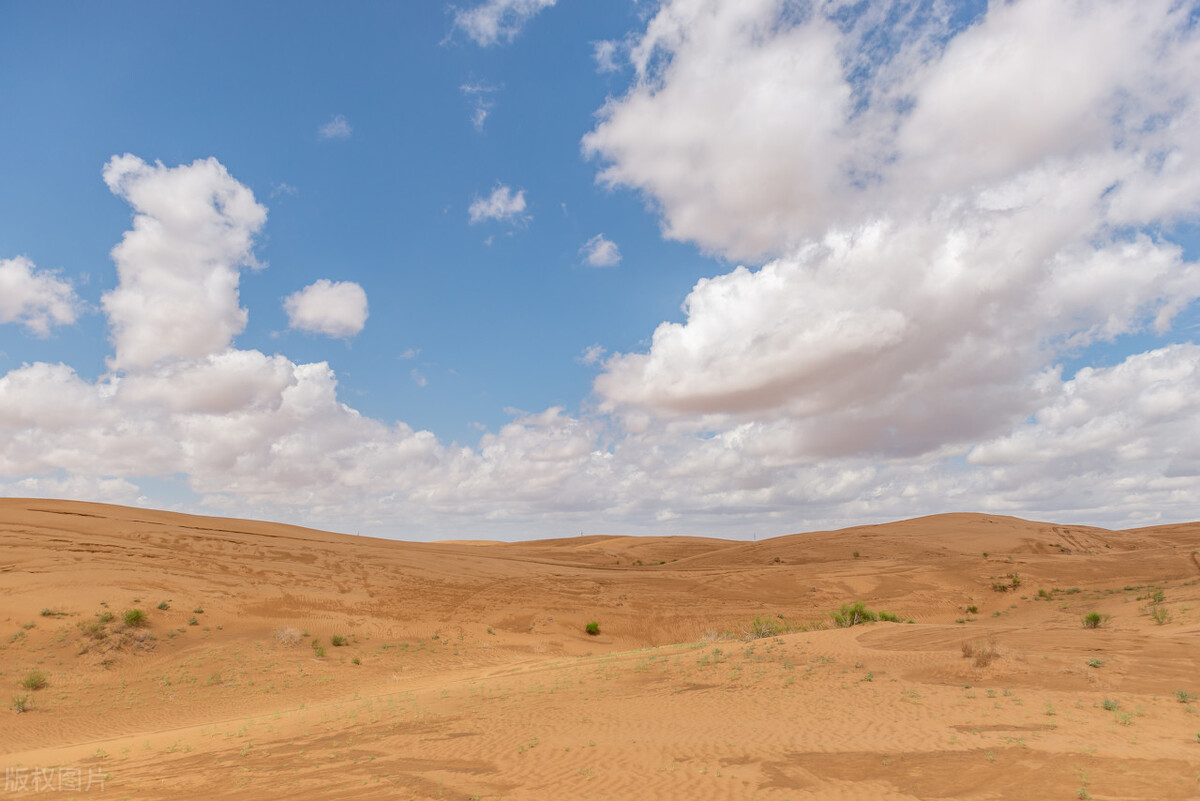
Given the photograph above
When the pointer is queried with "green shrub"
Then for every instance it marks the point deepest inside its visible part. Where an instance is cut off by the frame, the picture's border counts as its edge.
(1184, 697)
(337, 641)
(592, 628)
(34, 680)
(1092, 620)
(356, 661)
(852, 615)
(319, 651)
(761, 627)
(973, 609)
(54, 613)
(199, 610)
(192, 621)
(134, 618)
(163, 605)
(1160, 615)
(1111, 705)
(21, 703)
(890, 618)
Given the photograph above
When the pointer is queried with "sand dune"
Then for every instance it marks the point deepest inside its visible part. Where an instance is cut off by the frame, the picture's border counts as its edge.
(467, 672)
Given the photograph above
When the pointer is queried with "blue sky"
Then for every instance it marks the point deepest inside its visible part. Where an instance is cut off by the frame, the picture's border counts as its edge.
(848, 262)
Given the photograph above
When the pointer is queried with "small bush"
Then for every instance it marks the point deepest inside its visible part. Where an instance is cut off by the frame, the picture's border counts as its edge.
(356, 661)
(856, 554)
(1184, 697)
(592, 628)
(1160, 615)
(192, 621)
(1092, 620)
(890, 618)
(973, 609)
(199, 610)
(337, 641)
(853, 615)
(761, 627)
(134, 618)
(163, 605)
(287, 637)
(34, 680)
(1111, 705)
(54, 613)
(984, 653)
(319, 651)
(21, 703)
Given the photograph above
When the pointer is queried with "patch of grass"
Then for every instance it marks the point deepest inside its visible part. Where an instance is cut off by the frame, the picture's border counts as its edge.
(1094, 662)
(356, 661)
(192, 621)
(36, 680)
(1184, 697)
(319, 650)
(54, 613)
(199, 610)
(22, 703)
(852, 615)
(1160, 615)
(134, 618)
(1111, 705)
(890, 618)
(974, 610)
(856, 554)
(163, 606)
(592, 628)
(1013, 582)
(337, 641)
(1093, 620)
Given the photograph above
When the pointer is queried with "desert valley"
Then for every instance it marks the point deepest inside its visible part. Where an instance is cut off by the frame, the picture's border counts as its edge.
(157, 655)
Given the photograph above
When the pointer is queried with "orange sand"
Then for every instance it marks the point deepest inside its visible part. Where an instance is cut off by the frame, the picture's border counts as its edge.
(468, 674)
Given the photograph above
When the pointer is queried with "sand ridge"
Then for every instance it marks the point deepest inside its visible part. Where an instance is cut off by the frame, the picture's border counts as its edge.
(467, 672)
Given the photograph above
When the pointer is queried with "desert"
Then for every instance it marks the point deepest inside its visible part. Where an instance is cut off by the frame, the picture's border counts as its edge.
(177, 656)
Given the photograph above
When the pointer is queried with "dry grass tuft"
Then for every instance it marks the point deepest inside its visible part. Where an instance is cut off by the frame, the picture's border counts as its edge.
(984, 652)
(287, 636)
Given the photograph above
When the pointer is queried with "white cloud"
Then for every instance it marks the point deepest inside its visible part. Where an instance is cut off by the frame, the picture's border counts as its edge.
(333, 308)
(592, 355)
(480, 95)
(600, 252)
(337, 128)
(495, 21)
(503, 205)
(36, 299)
(178, 268)
(418, 377)
(605, 54)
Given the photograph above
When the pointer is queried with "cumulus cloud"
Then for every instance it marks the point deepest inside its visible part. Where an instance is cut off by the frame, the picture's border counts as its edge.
(337, 128)
(494, 21)
(35, 299)
(604, 53)
(600, 252)
(178, 267)
(502, 204)
(333, 308)
(931, 264)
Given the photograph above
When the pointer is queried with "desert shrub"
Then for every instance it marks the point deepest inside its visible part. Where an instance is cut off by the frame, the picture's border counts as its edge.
(163, 605)
(983, 652)
(1092, 620)
(1111, 705)
(134, 618)
(319, 651)
(337, 641)
(287, 636)
(34, 680)
(21, 703)
(54, 613)
(761, 627)
(199, 610)
(356, 661)
(973, 609)
(1160, 615)
(852, 615)
(592, 628)
(890, 618)
(192, 621)
(1184, 697)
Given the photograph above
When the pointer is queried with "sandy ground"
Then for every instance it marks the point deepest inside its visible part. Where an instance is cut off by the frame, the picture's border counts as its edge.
(467, 672)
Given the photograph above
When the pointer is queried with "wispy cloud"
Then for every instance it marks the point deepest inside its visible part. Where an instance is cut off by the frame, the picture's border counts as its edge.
(479, 94)
(498, 20)
(601, 252)
(337, 128)
(503, 205)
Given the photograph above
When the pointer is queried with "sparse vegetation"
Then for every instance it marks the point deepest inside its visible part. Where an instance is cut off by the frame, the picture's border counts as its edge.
(34, 680)
(1093, 620)
(287, 636)
(134, 618)
(1111, 705)
(192, 621)
(199, 610)
(974, 610)
(982, 652)
(21, 703)
(54, 613)
(337, 641)
(1160, 615)
(760, 628)
(592, 628)
(853, 615)
(163, 605)
(1184, 697)
(1013, 582)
